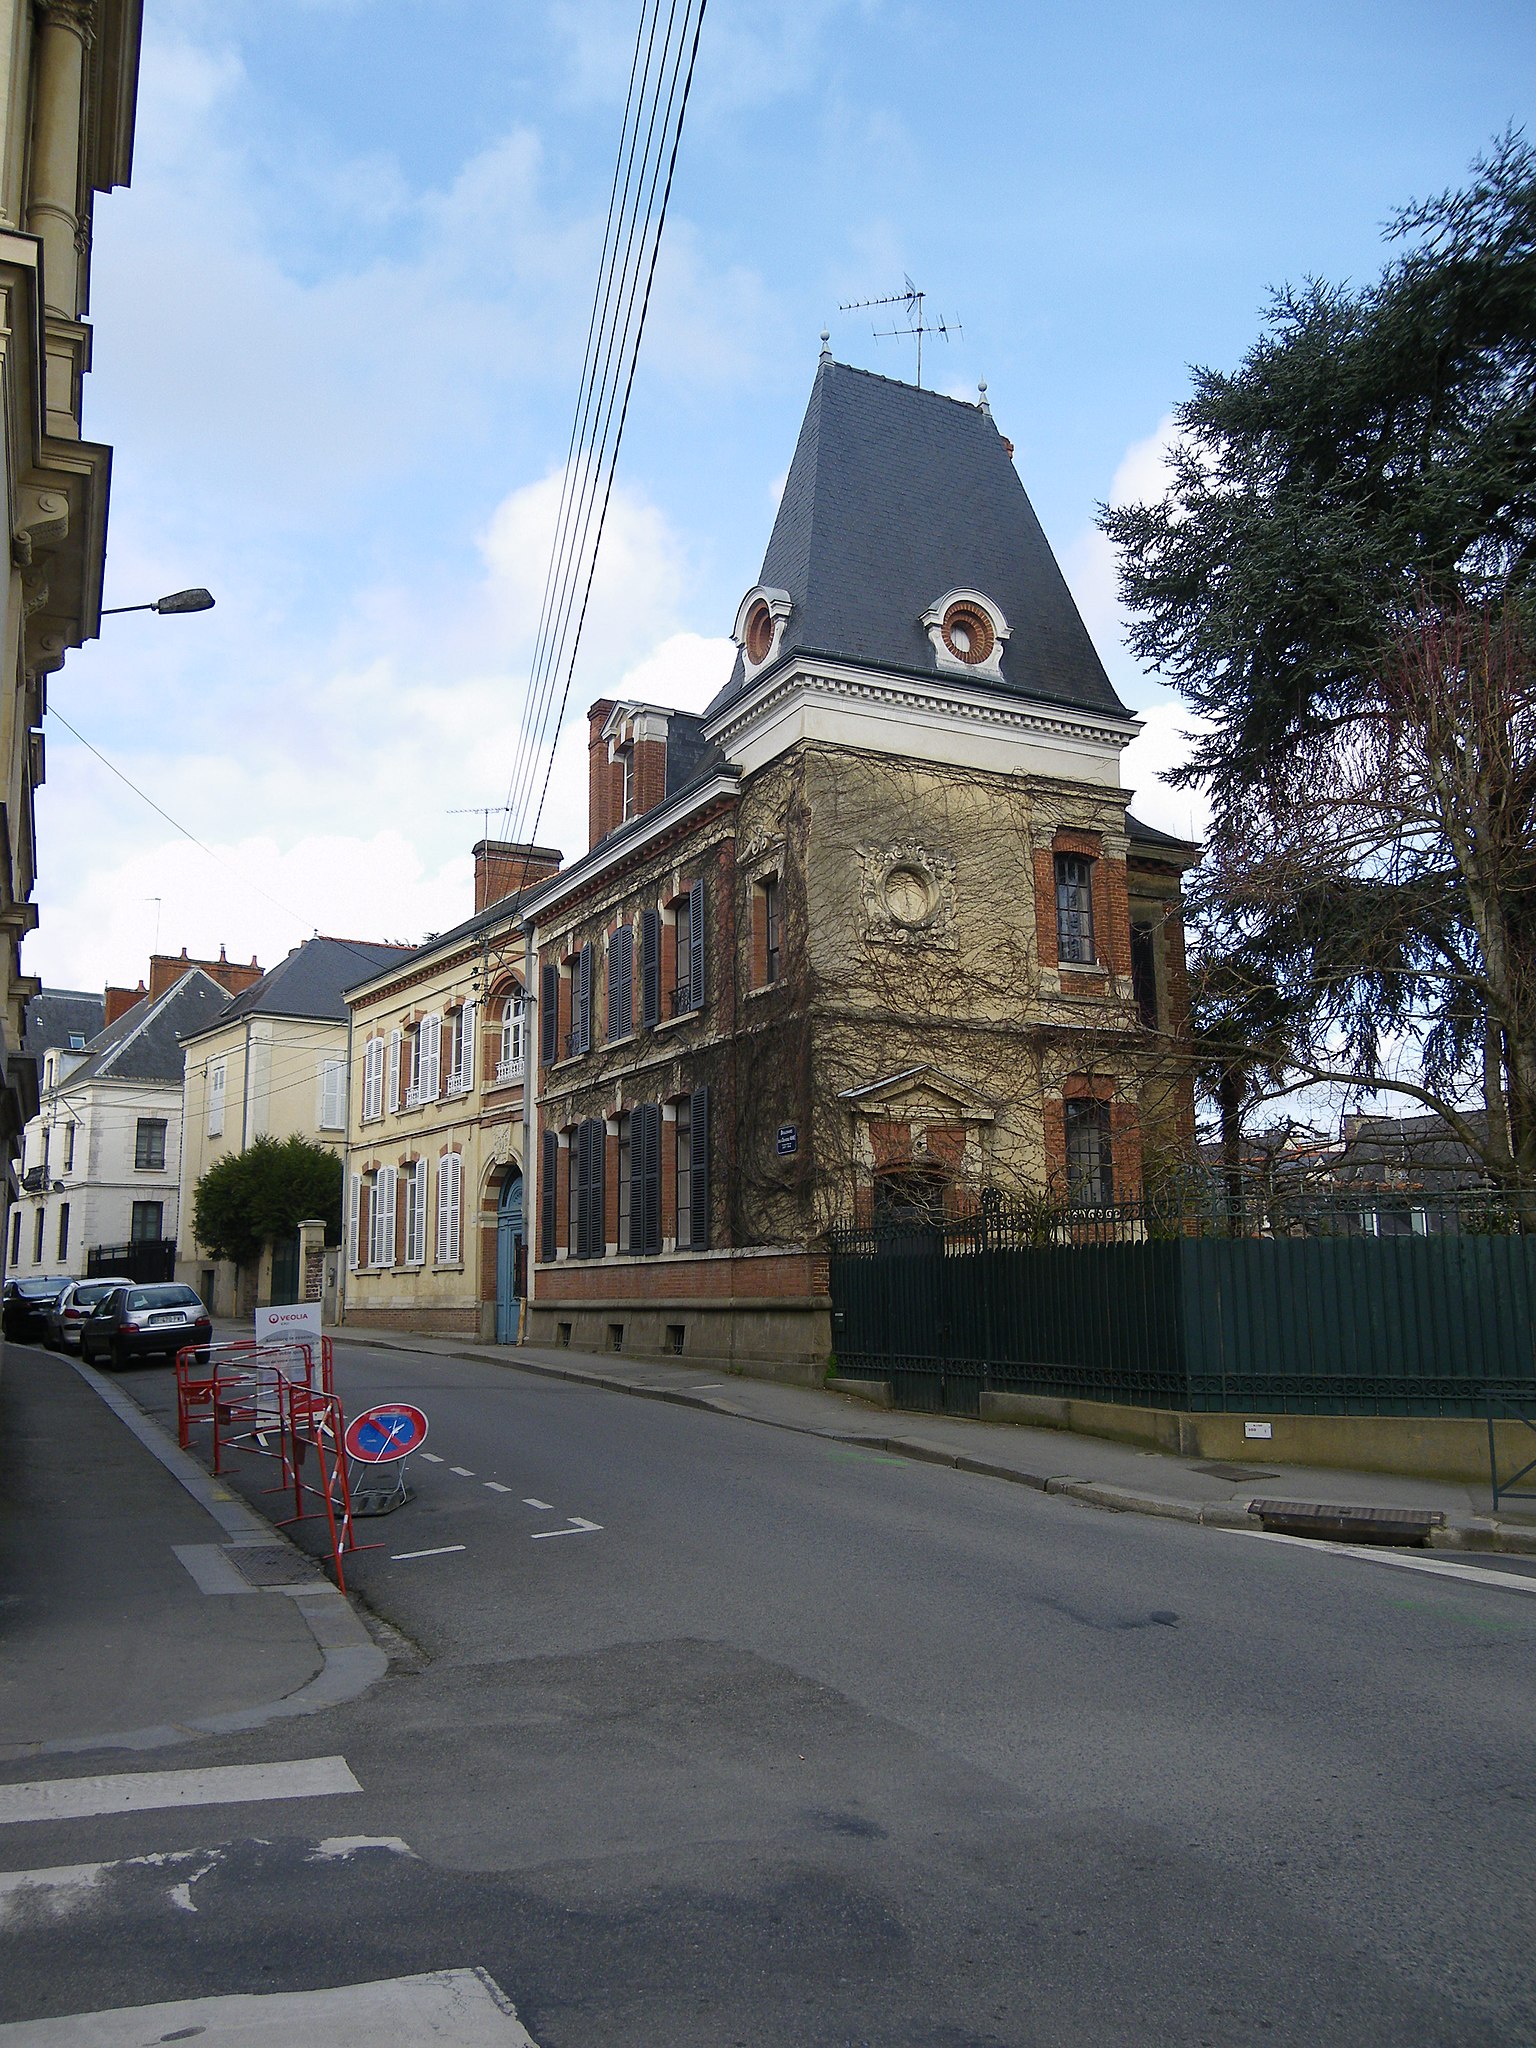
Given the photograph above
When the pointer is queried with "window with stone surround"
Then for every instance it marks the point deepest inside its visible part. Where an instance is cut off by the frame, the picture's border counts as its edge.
(1074, 910)
(1090, 1168)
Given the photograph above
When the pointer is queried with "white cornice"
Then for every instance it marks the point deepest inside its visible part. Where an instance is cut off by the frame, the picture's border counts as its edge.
(947, 702)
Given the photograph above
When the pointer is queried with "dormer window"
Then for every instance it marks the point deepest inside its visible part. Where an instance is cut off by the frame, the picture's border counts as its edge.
(760, 621)
(759, 634)
(968, 634)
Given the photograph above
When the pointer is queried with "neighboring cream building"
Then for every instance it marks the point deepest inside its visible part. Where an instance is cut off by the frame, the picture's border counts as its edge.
(434, 1230)
(68, 81)
(100, 1178)
(271, 1064)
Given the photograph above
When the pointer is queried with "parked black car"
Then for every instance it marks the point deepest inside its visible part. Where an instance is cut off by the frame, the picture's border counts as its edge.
(24, 1307)
(68, 1310)
(145, 1322)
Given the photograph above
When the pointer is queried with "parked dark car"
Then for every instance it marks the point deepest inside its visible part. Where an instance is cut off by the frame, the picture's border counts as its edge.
(24, 1308)
(145, 1322)
(67, 1313)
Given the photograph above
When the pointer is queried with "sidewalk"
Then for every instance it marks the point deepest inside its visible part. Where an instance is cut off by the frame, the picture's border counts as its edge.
(1090, 1469)
(126, 1620)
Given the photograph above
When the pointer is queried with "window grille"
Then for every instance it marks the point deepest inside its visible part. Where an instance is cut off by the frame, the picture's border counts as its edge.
(1074, 910)
(1090, 1168)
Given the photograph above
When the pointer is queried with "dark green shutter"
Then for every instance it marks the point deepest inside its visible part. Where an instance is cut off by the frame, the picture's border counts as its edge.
(590, 1222)
(621, 980)
(583, 1020)
(696, 947)
(549, 1188)
(653, 1176)
(549, 1015)
(650, 968)
(698, 1170)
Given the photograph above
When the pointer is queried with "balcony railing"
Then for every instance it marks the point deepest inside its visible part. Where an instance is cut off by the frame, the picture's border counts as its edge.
(574, 1044)
(682, 999)
(458, 1084)
(413, 1097)
(510, 1070)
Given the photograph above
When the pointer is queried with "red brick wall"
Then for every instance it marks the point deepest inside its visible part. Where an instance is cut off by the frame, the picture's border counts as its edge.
(650, 774)
(780, 1276)
(503, 867)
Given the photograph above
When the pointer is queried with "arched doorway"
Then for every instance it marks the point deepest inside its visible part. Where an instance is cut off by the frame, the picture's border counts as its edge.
(509, 1254)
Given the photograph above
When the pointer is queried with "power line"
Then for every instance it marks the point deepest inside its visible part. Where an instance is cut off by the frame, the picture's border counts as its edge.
(557, 645)
(201, 845)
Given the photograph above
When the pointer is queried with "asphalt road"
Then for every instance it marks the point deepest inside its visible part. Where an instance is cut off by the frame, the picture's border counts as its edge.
(809, 1745)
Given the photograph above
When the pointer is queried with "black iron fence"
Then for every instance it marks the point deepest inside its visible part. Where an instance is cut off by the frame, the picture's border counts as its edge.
(1159, 1306)
(146, 1260)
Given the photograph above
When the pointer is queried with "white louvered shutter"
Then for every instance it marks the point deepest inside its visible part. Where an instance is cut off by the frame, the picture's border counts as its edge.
(394, 1071)
(430, 1084)
(467, 1045)
(384, 1215)
(354, 1209)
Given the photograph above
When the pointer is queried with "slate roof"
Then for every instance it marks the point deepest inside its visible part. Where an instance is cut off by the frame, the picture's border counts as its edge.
(311, 981)
(1142, 834)
(895, 496)
(55, 1015)
(144, 1044)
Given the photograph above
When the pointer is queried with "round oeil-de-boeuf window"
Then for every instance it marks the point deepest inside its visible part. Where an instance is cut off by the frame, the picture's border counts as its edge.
(759, 632)
(968, 632)
(909, 894)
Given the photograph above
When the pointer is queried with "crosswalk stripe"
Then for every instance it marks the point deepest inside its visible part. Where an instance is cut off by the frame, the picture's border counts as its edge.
(457, 2008)
(141, 1791)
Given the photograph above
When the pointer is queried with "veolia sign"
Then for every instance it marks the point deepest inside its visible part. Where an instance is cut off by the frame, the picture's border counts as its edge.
(300, 1319)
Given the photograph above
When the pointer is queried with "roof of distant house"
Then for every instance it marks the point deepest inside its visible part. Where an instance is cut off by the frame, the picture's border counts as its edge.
(311, 982)
(144, 1044)
(895, 497)
(58, 1016)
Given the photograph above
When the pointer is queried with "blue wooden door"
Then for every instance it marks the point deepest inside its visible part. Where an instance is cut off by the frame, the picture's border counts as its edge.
(509, 1240)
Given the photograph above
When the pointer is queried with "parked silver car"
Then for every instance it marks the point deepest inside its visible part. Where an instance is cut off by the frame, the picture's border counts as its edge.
(132, 1322)
(67, 1314)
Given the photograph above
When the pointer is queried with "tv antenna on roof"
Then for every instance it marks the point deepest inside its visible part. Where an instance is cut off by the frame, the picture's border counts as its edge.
(481, 811)
(916, 326)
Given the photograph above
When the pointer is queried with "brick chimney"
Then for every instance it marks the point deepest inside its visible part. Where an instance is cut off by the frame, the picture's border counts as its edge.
(120, 1000)
(603, 813)
(503, 866)
(166, 969)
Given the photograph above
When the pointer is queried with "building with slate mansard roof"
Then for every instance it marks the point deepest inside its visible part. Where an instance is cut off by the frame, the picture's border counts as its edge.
(874, 933)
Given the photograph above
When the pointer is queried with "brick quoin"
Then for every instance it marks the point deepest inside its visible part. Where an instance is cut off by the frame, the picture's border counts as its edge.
(1045, 906)
(668, 1178)
(1112, 915)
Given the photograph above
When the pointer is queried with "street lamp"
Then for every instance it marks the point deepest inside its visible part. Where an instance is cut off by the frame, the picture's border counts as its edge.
(198, 600)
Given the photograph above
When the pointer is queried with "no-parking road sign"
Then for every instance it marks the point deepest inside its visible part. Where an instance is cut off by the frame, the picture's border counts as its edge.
(379, 1435)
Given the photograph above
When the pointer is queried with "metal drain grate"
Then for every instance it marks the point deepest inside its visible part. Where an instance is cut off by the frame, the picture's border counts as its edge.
(273, 1564)
(1347, 1524)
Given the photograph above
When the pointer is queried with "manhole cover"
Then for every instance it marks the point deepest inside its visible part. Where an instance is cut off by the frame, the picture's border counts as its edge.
(273, 1564)
(1219, 1471)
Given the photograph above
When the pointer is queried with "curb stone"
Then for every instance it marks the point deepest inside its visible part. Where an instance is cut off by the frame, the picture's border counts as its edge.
(1470, 1532)
(351, 1661)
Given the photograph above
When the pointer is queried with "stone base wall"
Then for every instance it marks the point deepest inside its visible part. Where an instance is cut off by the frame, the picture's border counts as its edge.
(1428, 1447)
(427, 1322)
(777, 1340)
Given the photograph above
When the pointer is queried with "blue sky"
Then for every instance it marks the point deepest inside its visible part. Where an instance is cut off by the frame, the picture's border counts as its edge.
(338, 324)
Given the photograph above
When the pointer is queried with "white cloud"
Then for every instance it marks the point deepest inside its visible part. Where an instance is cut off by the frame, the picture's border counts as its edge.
(1163, 745)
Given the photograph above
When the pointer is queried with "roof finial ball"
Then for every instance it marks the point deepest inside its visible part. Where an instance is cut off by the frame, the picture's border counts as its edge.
(982, 391)
(826, 344)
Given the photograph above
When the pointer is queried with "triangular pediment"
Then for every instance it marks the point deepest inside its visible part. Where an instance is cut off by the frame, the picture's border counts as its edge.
(921, 1093)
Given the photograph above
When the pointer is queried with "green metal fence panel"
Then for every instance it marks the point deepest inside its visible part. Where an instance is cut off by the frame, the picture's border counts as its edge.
(1340, 1324)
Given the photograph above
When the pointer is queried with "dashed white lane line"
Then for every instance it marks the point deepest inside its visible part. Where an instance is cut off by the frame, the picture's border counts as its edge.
(465, 2007)
(579, 1526)
(1444, 1568)
(462, 1471)
(495, 1486)
(546, 1505)
(431, 1457)
(142, 1791)
(405, 1556)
